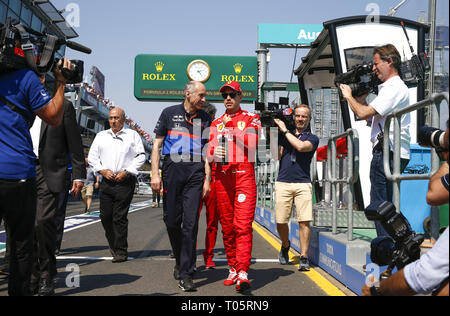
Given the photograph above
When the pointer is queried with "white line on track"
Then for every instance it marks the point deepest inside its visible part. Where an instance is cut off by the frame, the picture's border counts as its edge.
(80, 258)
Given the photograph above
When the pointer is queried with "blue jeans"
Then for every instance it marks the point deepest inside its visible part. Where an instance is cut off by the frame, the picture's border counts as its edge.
(381, 188)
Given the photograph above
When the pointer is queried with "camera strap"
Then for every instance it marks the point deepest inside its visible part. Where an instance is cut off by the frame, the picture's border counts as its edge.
(18, 110)
(47, 53)
(27, 47)
(28, 50)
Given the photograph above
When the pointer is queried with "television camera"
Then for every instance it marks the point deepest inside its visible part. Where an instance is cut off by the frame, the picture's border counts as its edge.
(401, 247)
(22, 47)
(274, 111)
(362, 79)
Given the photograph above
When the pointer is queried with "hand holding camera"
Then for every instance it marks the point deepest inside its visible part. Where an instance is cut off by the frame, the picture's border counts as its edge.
(63, 71)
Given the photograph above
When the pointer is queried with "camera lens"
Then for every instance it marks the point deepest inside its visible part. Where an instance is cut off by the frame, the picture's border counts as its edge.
(430, 137)
(382, 249)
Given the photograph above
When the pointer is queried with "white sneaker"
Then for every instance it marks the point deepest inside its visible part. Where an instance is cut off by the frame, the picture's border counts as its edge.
(242, 283)
(232, 277)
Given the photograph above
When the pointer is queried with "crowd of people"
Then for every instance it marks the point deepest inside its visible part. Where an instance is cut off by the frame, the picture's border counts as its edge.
(203, 160)
(109, 104)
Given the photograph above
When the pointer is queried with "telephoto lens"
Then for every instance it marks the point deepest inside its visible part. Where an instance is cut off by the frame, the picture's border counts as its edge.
(431, 137)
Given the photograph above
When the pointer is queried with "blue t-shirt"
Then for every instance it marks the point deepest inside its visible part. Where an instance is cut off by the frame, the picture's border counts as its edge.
(23, 89)
(184, 134)
(295, 167)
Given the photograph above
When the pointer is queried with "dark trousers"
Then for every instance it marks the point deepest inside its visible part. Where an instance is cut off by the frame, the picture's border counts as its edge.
(381, 188)
(44, 266)
(60, 215)
(18, 209)
(115, 200)
(183, 187)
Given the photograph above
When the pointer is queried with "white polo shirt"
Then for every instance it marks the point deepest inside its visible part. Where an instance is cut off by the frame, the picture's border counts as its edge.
(117, 152)
(393, 94)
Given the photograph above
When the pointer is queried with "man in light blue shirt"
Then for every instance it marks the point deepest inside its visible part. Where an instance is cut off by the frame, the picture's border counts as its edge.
(430, 273)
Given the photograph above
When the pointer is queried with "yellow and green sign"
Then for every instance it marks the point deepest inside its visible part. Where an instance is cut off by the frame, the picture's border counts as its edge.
(163, 77)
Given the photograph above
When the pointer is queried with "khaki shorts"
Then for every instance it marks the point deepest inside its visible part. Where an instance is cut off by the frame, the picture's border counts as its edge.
(87, 190)
(286, 194)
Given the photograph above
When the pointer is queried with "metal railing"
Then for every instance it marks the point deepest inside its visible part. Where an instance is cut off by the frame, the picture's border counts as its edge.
(350, 180)
(395, 176)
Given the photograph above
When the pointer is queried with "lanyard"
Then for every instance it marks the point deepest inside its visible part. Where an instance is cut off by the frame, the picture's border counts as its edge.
(190, 119)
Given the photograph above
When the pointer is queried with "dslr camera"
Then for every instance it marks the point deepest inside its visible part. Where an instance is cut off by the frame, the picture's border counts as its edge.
(402, 247)
(22, 47)
(360, 78)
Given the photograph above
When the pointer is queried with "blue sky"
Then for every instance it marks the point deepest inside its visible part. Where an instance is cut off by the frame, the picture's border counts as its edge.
(117, 31)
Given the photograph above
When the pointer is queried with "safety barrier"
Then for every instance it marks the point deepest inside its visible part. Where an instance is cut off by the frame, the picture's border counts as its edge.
(395, 176)
(265, 179)
(352, 171)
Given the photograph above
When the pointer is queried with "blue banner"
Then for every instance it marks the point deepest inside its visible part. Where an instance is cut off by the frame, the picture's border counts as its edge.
(300, 34)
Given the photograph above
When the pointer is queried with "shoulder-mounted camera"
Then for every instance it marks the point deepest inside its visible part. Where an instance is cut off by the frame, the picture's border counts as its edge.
(22, 47)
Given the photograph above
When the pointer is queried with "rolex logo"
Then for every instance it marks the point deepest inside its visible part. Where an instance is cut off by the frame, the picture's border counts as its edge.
(159, 66)
(238, 68)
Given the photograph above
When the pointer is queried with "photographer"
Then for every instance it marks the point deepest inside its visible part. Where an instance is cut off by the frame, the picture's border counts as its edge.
(22, 96)
(294, 183)
(393, 95)
(429, 273)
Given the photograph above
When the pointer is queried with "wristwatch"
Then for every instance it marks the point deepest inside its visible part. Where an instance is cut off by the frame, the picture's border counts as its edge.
(287, 132)
(375, 291)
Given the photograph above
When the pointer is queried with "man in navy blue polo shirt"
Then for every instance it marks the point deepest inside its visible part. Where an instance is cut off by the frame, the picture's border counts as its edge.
(294, 183)
(22, 96)
(182, 132)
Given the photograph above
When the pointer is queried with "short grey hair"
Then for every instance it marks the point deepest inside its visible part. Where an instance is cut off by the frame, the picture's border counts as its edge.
(304, 106)
(190, 86)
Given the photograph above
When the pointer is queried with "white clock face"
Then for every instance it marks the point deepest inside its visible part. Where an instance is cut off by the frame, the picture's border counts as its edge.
(199, 70)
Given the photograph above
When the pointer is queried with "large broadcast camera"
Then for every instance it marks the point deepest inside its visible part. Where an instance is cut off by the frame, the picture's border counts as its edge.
(402, 247)
(363, 80)
(273, 111)
(22, 47)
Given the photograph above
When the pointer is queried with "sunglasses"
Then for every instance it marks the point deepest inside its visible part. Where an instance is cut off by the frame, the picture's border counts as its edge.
(232, 95)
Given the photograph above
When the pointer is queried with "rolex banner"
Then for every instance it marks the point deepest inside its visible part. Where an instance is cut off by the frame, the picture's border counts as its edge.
(163, 77)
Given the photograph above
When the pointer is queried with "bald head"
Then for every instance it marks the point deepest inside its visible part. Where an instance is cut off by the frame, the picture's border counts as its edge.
(195, 96)
(116, 119)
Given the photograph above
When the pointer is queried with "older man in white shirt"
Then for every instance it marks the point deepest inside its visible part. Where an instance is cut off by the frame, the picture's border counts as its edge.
(117, 154)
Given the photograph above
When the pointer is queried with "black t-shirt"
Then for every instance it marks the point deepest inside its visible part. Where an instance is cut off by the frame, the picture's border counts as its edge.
(295, 167)
(184, 133)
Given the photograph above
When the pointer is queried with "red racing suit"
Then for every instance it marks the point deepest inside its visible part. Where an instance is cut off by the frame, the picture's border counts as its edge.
(212, 217)
(235, 184)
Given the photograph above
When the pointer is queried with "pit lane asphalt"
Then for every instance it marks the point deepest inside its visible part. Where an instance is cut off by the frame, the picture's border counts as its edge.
(150, 272)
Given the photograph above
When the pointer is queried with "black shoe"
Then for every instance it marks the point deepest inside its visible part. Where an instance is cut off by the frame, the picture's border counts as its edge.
(176, 272)
(113, 253)
(34, 287)
(46, 287)
(187, 285)
(119, 259)
(283, 256)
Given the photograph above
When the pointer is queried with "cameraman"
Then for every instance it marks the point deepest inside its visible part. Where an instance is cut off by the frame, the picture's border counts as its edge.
(429, 273)
(393, 95)
(22, 96)
(294, 183)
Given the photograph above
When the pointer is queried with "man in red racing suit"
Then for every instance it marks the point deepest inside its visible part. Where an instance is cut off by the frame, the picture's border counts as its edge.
(233, 144)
